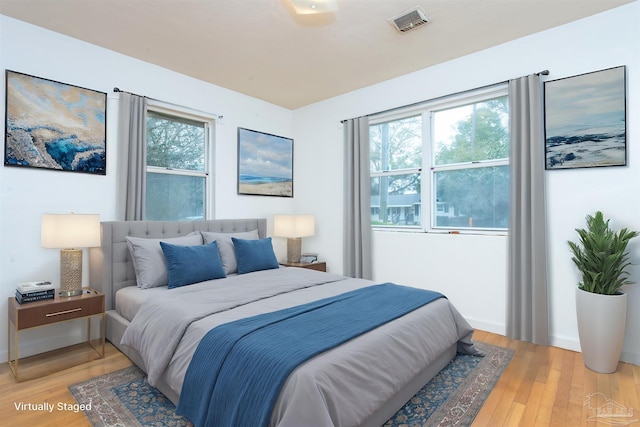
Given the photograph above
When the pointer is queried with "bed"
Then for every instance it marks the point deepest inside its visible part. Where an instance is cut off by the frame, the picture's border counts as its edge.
(362, 381)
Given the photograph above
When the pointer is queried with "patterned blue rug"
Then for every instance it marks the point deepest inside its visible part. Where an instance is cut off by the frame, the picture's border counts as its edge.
(453, 397)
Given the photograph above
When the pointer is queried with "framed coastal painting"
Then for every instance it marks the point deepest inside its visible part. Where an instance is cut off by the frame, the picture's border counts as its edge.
(54, 125)
(265, 164)
(585, 120)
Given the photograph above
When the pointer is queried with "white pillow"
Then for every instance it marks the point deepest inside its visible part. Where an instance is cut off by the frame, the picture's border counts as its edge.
(225, 246)
(148, 260)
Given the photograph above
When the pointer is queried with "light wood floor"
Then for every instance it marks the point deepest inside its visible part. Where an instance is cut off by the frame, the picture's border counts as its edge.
(542, 386)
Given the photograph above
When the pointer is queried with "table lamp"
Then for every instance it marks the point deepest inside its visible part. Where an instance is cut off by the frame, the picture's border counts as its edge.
(70, 233)
(293, 227)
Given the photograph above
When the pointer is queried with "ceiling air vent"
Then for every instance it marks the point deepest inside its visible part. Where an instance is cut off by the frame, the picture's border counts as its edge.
(409, 20)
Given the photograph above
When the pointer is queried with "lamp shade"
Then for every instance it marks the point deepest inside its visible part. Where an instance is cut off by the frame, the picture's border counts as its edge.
(63, 231)
(293, 226)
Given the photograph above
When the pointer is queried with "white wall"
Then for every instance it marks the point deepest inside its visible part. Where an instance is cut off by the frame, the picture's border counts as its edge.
(471, 270)
(25, 193)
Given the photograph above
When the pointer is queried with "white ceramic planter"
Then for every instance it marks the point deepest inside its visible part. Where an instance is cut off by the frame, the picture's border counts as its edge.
(601, 325)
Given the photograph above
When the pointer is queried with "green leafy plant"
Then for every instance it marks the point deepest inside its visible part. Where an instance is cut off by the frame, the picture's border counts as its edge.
(601, 256)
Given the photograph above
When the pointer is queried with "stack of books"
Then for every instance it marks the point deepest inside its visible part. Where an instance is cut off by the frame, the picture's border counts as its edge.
(34, 291)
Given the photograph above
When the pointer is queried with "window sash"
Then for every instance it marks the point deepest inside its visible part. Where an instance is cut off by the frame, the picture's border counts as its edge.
(191, 197)
(191, 122)
(474, 219)
(389, 164)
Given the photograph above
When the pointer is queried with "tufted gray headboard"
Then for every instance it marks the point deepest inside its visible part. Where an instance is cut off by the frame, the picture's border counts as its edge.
(110, 266)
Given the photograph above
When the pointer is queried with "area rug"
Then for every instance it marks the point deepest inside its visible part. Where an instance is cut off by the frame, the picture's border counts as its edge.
(452, 398)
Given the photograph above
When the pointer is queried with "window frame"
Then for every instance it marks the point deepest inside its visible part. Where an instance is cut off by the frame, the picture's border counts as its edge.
(209, 122)
(429, 169)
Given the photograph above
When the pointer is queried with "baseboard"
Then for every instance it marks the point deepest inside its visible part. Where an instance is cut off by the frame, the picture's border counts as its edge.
(554, 341)
(630, 358)
(495, 328)
(564, 342)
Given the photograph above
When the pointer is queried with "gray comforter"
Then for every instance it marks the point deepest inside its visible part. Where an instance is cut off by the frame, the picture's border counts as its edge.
(365, 372)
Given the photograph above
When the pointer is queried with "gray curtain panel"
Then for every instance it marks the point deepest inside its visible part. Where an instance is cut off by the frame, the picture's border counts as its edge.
(527, 306)
(132, 172)
(357, 199)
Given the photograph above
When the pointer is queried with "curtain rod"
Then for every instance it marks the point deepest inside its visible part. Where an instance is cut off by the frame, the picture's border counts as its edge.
(206, 113)
(539, 73)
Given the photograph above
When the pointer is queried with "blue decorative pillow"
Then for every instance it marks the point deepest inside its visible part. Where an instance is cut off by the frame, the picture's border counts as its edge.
(254, 255)
(192, 264)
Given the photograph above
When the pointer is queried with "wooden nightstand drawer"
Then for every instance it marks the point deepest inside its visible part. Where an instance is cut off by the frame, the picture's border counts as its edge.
(53, 313)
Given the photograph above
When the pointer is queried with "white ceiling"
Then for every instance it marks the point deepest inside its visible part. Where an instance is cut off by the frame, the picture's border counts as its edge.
(262, 49)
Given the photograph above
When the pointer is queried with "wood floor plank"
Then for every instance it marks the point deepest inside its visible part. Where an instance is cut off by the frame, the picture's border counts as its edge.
(514, 416)
(532, 405)
(528, 355)
(542, 386)
(545, 409)
(563, 394)
(576, 392)
(628, 387)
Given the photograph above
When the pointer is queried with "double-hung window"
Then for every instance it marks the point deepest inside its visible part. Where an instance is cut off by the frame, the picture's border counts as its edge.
(178, 146)
(442, 165)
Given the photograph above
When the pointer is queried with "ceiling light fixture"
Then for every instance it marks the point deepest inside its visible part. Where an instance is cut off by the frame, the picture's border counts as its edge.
(308, 7)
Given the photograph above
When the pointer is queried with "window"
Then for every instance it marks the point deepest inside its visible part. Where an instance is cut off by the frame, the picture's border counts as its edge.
(443, 165)
(177, 165)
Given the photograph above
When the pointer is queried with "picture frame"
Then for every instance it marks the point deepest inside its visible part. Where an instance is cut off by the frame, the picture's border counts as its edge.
(265, 164)
(585, 120)
(54, 125)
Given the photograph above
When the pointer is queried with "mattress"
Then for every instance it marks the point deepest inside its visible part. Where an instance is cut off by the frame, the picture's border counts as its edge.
(129, 299)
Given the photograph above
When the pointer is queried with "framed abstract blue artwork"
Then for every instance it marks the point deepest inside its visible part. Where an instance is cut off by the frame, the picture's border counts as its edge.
(585, 120)
(53, 125)
(265, 164)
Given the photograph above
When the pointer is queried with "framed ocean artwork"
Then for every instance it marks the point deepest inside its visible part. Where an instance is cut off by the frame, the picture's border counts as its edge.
(585, 120)
(265, 164)
(54, 125)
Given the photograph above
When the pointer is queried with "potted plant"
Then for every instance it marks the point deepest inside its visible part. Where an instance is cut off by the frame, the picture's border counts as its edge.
(602, 258)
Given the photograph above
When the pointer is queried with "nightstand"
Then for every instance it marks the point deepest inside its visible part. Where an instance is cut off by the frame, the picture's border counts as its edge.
(48, 312)
(320, 266)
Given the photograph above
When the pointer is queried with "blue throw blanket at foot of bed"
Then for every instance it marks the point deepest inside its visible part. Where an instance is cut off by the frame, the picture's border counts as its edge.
(238, 369)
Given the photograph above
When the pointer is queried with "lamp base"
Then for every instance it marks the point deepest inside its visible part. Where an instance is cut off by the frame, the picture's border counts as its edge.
(294, 248)
(70, 272)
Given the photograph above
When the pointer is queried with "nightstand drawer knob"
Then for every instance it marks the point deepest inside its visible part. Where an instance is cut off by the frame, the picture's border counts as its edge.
(63, 312)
